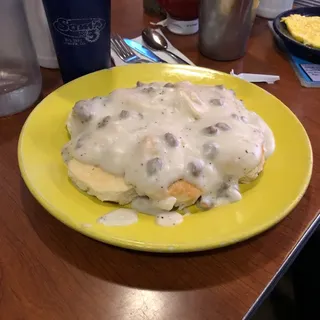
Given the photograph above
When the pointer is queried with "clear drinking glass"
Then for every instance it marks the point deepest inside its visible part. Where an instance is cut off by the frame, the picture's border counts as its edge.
(20, 77)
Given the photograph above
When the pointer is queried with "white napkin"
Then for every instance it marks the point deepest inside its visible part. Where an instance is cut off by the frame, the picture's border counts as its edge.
(162, 54)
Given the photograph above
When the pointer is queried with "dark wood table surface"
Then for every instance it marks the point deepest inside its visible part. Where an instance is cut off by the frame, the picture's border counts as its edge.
(48, 271)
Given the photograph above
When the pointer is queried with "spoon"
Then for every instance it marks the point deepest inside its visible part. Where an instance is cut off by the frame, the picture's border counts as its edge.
(156, 41)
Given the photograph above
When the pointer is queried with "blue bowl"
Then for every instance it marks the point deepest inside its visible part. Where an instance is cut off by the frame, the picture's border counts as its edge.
(294, 46)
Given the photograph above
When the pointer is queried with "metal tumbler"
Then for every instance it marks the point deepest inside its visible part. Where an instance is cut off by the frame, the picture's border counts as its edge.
(225, 27)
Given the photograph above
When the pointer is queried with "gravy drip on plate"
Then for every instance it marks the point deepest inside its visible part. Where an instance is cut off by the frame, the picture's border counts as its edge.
(119, 217)
(157, 133)
(169, 219)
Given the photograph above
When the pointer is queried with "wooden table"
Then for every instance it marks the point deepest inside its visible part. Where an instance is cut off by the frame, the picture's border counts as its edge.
(48, 271)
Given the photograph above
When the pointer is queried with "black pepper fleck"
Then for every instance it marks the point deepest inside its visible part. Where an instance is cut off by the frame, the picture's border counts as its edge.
(103, 122)
(246, 151)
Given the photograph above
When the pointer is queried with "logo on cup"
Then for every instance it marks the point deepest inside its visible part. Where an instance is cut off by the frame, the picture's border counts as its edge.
(87, 29)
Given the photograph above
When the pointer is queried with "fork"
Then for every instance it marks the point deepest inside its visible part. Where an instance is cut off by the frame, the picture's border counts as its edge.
(124, 52)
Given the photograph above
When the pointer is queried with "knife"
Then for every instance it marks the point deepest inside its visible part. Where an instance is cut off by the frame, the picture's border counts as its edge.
(143, 50)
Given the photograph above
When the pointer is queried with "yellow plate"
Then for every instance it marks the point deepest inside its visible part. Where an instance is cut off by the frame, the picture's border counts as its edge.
(265, 202)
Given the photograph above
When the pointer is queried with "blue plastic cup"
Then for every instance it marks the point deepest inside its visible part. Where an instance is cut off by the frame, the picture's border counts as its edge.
(80, 31)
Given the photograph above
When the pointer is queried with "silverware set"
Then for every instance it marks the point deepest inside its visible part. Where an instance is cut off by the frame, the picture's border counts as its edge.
(125, 48)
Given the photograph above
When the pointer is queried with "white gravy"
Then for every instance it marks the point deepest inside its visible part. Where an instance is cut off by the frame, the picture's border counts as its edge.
(144, 205)
(119, 217)
(156, 134)
(169, 219)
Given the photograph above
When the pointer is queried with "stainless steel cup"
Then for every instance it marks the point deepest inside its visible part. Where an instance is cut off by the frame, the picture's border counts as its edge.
(225, 27)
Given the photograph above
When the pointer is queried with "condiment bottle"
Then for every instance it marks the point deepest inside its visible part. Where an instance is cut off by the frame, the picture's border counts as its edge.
(182, 15)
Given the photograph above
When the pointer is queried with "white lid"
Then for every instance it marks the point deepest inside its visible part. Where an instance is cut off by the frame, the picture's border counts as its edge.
(182, 27)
